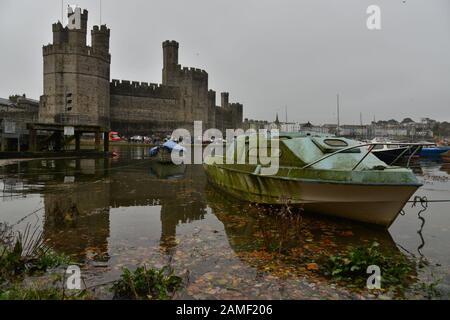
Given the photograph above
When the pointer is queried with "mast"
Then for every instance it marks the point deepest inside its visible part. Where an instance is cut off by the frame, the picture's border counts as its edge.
(285, 109)
(361, 124)
(338, 122)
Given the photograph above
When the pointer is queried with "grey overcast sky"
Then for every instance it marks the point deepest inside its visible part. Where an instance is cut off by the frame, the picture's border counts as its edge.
(267, 53)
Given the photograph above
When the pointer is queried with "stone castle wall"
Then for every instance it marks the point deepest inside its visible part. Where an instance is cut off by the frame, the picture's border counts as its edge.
(129, 107)
(142, 108)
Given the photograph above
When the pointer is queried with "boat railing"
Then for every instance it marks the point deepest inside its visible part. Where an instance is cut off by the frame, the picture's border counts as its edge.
(371, 145)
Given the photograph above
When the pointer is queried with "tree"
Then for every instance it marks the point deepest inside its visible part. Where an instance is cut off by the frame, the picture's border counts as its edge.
(392, 121)
(407, 120)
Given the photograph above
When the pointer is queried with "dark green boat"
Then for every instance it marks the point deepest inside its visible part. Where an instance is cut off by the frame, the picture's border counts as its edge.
(323, 174)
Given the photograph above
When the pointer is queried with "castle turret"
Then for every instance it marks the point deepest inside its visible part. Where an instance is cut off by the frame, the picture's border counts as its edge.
(236, 114)
(59, 33)
(100, 40)
(170, 59)
(211, 109)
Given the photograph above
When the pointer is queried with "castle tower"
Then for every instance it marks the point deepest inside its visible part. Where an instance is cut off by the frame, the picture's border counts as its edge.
(170, 61)
(100, 40)
(76, 76)
(224, 96)
(211, 109)
(192, 82)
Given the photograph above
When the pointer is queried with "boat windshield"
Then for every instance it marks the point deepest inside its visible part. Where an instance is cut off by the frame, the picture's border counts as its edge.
(335, 142)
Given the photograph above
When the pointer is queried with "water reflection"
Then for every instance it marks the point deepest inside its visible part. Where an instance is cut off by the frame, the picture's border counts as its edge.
(445, 168)
(250, 227)
(167, 171)
(79, 194)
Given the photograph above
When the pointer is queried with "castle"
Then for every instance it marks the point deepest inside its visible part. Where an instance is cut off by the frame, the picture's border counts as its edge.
(78, 90)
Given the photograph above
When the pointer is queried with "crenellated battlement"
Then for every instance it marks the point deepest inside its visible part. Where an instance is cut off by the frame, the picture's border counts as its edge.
(235, 105)
(192, 73)
(170, 43)
(143, 89)
(102, 29)
(68, 40)
(100, 39)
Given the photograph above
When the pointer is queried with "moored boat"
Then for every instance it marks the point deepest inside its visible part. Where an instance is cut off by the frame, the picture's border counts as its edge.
(391, 152)
(446, 156)
(328, 175)
(163, 153)
(433, 151)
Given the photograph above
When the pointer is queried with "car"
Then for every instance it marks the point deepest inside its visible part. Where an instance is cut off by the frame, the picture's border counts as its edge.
(114, 136)
(136, 139)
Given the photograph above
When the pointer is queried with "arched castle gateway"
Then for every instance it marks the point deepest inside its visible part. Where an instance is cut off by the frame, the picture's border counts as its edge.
(78, 90)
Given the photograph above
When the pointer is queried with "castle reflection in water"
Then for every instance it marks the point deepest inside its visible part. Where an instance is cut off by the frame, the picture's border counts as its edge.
(79, 194)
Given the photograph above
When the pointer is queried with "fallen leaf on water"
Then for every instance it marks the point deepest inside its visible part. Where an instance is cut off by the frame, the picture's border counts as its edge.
(312, 266)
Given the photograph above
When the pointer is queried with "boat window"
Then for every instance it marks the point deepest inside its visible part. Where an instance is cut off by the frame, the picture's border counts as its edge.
(328, 145)
(335, 143)
(378, 147)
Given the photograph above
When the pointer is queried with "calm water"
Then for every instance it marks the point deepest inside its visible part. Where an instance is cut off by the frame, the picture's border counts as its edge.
(127, 211)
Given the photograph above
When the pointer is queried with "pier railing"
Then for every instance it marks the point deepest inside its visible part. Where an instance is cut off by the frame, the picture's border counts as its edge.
(414, 147)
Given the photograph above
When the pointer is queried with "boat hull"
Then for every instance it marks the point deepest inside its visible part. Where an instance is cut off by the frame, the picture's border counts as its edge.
(377, 204)
(433, 151)
(390, 155)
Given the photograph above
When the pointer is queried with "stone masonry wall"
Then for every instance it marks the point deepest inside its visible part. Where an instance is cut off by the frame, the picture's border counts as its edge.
(142, 108)
(128, 107)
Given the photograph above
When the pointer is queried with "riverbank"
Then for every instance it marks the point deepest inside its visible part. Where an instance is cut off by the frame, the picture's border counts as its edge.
(5, 162)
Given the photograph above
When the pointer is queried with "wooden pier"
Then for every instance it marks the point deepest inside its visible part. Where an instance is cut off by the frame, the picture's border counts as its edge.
(58, 132)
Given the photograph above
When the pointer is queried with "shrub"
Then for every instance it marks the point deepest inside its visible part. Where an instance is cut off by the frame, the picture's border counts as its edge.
(352, 266)
(25, 253)
(146, 284)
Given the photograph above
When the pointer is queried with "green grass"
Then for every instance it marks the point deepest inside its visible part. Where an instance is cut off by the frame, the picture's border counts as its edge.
(25, 253)
(351, 267)
(47, 293)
